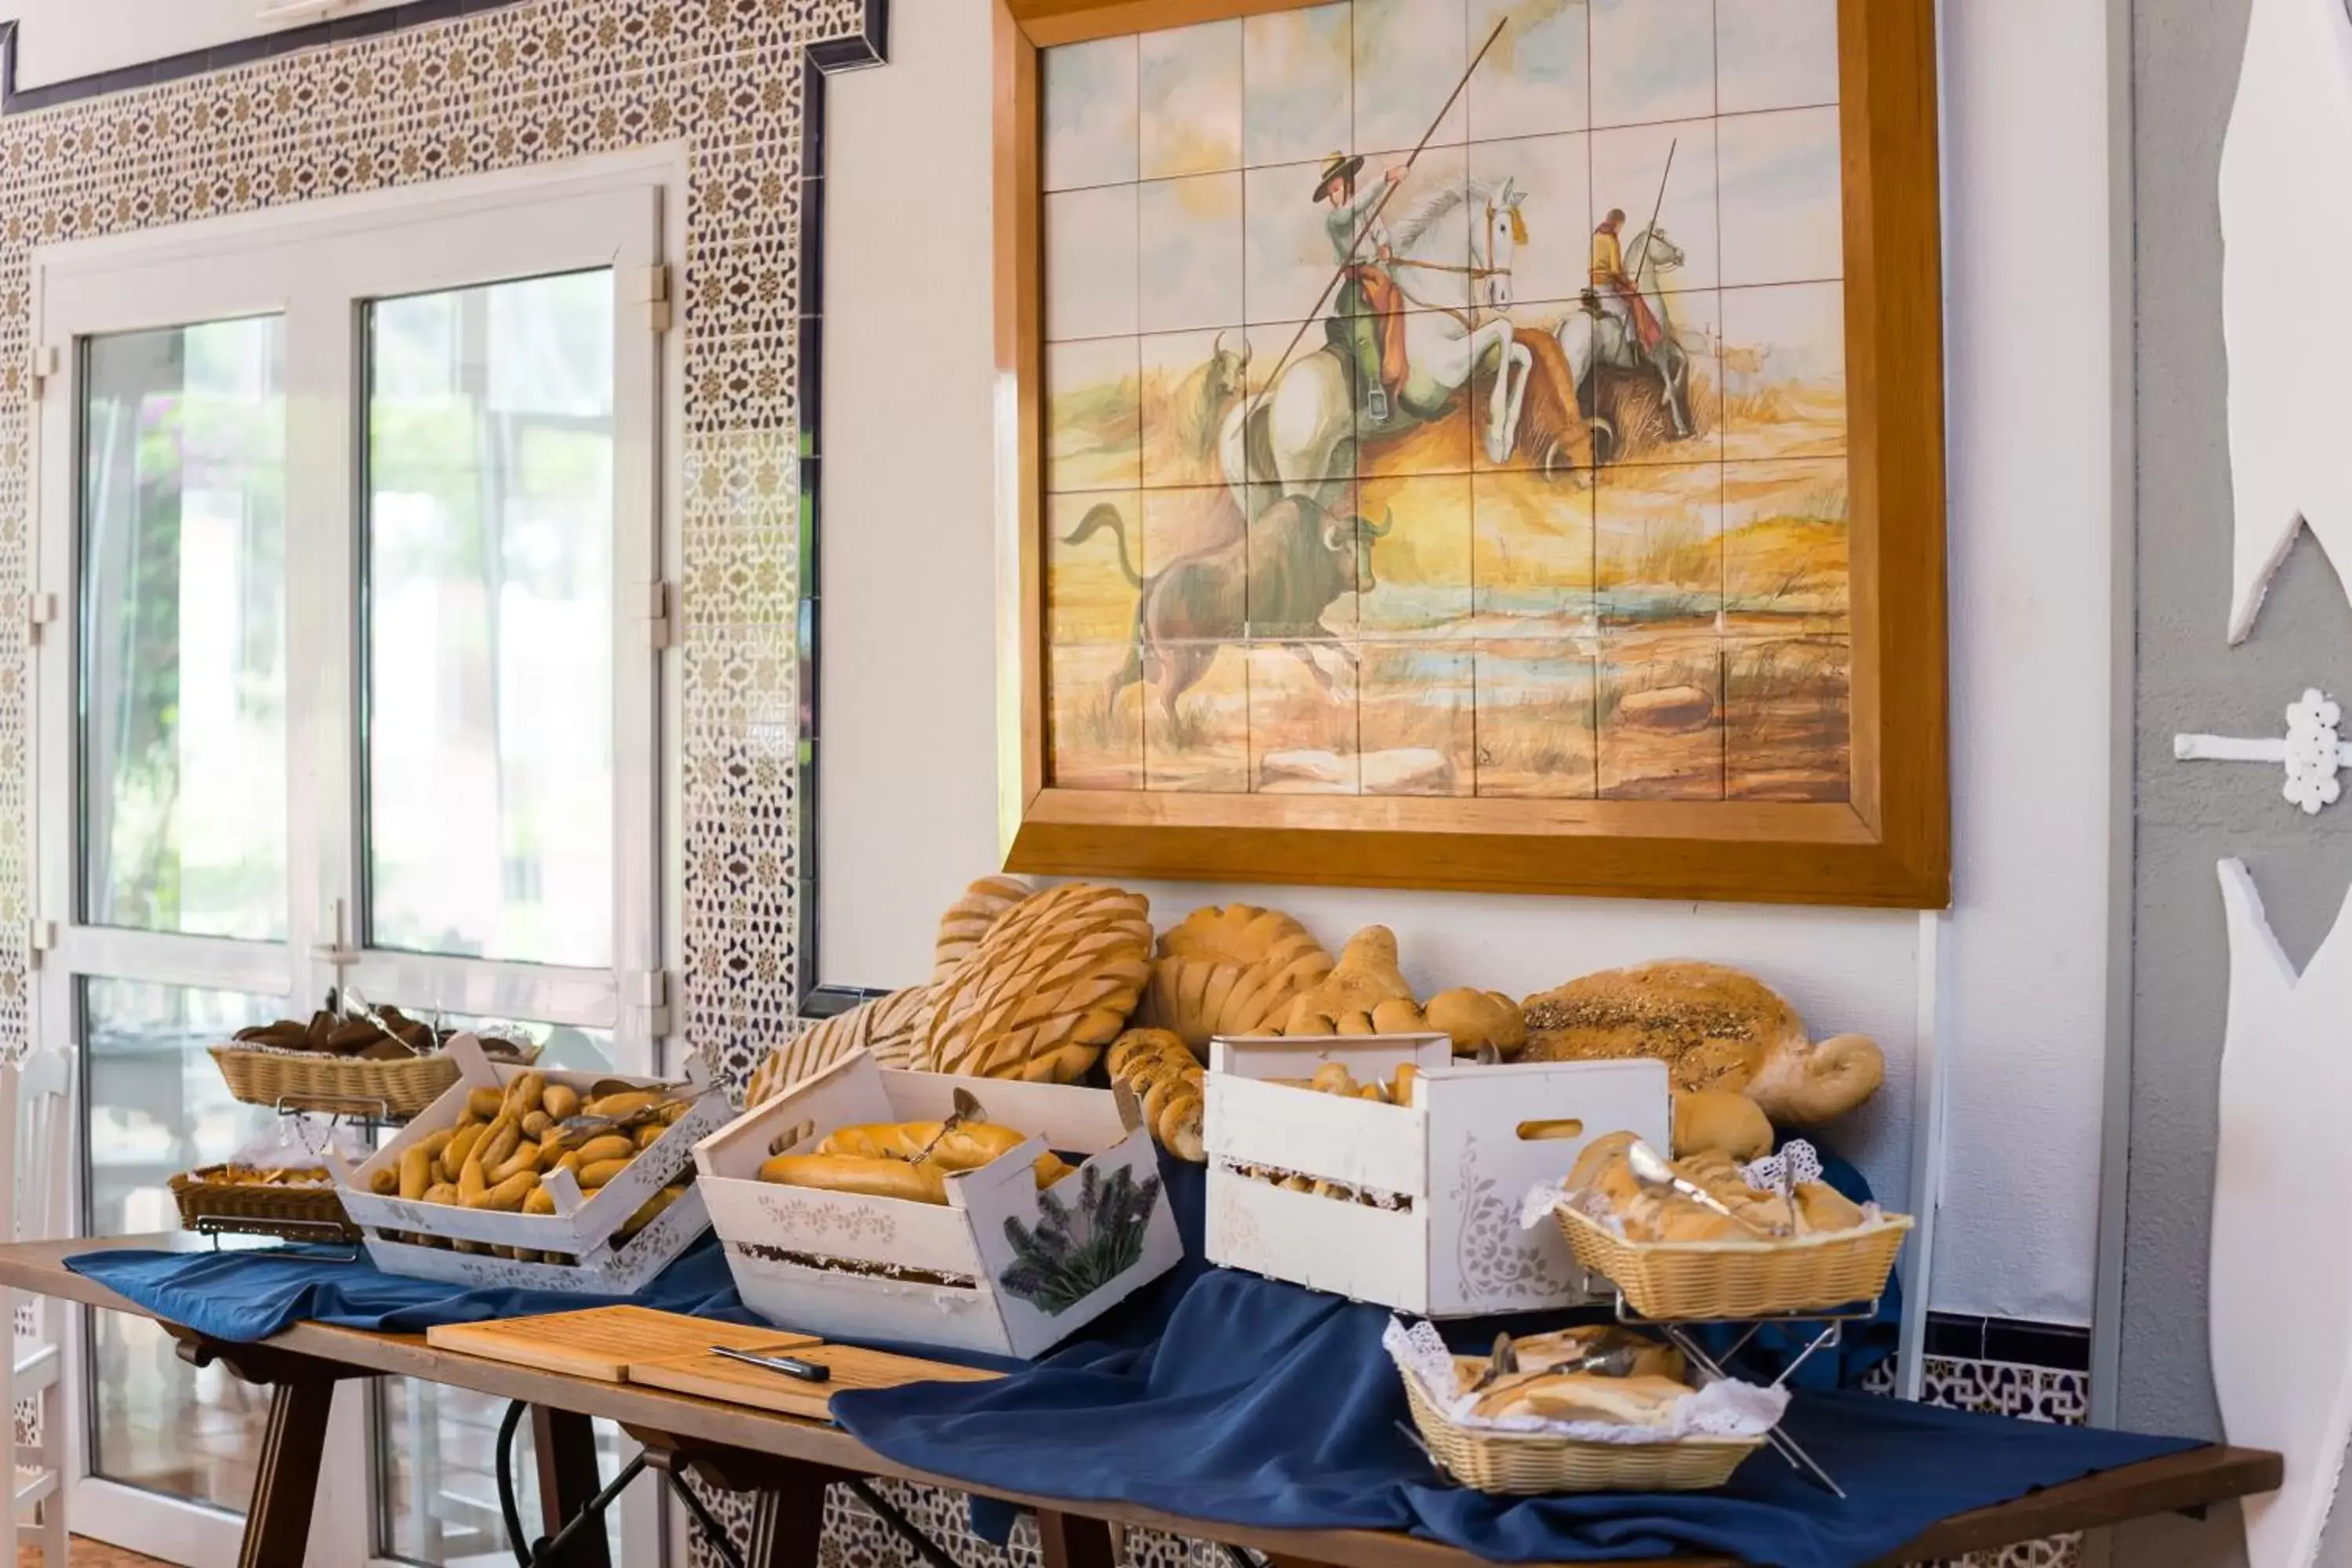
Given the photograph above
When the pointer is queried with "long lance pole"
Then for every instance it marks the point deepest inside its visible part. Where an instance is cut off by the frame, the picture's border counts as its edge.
(1641, 256)
(1373, 216)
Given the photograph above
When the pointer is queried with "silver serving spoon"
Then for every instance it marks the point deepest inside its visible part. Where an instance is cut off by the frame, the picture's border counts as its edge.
(1652, 1174)
(1501, 1362)
(1617, 1363)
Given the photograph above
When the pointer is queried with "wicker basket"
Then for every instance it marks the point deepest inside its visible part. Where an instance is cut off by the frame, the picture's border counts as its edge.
(401, 1087)
(310, 1208)
(1530, 1464)
(1732, 1281)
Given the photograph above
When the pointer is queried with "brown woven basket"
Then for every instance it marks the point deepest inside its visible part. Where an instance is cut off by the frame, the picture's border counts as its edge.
(311, 1205)
(403, 1086)
(1730, 1282)
(1530, 1464)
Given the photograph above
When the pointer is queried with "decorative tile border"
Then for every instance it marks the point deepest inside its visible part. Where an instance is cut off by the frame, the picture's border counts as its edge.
(435, 90)
(2035, 1392)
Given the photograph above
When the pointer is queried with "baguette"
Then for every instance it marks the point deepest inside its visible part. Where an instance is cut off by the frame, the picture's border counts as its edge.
(967, 1147)
(866, 1175)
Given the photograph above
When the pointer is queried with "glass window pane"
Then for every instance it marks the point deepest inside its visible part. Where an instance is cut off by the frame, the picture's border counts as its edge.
(490, 622)
(157, 1106)
(182, 629)
(560, 1045)
(438, 1496)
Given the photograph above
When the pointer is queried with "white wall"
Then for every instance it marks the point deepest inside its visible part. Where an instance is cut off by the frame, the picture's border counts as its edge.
(909, 700)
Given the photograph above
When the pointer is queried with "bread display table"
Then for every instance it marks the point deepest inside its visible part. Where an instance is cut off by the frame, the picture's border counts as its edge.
(788, 1462)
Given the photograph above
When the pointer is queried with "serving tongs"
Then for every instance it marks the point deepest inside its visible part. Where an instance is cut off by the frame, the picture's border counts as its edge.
(967, 1110)
(1652, 1174)
(1503, 1361)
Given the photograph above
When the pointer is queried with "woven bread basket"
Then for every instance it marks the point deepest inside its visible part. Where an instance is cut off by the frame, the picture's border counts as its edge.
(315, 1204)
(303, 1080)
(1532, 1464)
(1731, 1281)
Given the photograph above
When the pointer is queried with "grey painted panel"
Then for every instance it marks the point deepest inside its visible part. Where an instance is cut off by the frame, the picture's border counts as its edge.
(2189, 815)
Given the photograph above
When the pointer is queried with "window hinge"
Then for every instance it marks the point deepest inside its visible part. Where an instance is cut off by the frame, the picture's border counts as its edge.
(661, 613)
(649, 288)
(40, 609)
(40, 938)
(47, 360)
(649, 992)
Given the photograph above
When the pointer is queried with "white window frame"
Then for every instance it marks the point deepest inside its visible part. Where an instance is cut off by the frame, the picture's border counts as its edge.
(313, 265)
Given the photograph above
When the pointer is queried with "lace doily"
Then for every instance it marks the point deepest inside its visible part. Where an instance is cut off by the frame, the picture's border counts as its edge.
(1723, 1409)
(1797, 1160)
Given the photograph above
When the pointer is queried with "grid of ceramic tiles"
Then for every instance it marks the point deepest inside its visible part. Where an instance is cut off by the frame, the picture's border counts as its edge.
(2006, 1388)
(535, 81)
(1306, 536)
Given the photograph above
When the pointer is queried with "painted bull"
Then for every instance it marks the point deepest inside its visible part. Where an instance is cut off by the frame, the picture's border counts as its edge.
(1295, 562)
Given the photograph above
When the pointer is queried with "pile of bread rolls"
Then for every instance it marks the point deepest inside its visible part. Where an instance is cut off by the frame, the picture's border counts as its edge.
(1604, 1172)
(1333, 1078)
(910, 1160)
(1160, 1071)
(1545, 1386)
(508, 1140)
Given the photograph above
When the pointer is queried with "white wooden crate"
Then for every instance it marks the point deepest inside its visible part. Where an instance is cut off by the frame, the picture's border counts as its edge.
(584, 1225)
(1440, 1236)
(843, 1264)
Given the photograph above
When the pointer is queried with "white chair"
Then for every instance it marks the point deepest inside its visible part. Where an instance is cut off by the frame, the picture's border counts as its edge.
(33, 1195)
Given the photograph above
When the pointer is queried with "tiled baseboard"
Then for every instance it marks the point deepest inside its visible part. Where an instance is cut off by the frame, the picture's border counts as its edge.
(2047, 1380)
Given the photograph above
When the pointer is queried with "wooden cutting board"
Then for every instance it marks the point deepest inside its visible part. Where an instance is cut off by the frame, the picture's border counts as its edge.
(716, 1377)
(603, 1341)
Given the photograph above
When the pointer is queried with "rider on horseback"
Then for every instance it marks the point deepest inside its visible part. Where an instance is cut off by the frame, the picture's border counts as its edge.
(1620, 293)
(1368, 323)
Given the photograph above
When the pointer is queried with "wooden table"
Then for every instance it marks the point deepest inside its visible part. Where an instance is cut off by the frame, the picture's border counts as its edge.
(788, 1463)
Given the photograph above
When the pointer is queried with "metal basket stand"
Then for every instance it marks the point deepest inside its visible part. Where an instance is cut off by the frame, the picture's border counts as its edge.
(1829, 1331)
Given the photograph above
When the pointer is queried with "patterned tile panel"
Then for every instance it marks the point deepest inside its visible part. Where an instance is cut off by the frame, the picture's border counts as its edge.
(2005, 1388)
(529, 83)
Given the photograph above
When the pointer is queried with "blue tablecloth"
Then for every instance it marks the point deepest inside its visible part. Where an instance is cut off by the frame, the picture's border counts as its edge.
(1265, 1404)
(1226, 1397)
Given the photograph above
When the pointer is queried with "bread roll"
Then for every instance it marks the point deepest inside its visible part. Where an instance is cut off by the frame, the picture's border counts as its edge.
(1823, 1207)
(1635, 1401)
(1720, 1121)
(869, 1177)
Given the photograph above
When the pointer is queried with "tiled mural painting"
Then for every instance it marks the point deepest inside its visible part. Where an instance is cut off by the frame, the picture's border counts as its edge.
(1526, 477)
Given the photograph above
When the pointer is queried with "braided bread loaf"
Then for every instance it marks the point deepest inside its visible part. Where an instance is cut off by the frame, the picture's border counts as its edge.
(893, 1028)
(1233, 970)
(968, 919)
(1049, 985)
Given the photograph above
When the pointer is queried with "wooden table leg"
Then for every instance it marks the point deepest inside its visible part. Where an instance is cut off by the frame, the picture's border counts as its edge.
(563, 1449)
(277, 1523)
(787, 1521)
(1073, 1542)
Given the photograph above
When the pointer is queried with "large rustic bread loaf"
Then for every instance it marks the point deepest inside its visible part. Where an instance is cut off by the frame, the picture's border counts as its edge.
(1716, 1028)
(1365, 994)
(1230, 970)
(893, 1028)
(1047, 989)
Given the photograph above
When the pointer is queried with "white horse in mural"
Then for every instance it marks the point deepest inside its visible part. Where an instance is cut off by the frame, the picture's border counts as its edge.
(1287, 438)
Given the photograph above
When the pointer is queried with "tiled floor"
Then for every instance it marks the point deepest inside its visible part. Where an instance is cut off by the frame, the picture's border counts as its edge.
(90, 1554)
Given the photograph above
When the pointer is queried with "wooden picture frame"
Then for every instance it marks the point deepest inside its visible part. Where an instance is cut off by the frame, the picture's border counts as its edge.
(1886, 845)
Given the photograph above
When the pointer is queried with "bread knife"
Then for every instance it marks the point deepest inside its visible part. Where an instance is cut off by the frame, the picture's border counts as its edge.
(806, 1371)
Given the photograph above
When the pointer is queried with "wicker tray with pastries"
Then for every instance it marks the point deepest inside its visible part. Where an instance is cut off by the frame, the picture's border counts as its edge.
(1706, 1240)
(1583, 1409)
